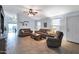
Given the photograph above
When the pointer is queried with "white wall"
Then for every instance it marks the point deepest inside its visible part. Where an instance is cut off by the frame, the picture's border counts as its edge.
(62, 26)
(32, 22)
(46, 20)
(70, 26)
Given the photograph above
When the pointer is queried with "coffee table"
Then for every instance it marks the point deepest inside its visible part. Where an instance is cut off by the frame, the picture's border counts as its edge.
(36, 36)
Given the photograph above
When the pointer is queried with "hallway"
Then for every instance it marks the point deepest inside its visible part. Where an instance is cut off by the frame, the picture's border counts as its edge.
(27, 45)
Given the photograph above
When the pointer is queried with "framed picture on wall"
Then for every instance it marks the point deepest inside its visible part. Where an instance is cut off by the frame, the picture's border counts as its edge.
(45, 24)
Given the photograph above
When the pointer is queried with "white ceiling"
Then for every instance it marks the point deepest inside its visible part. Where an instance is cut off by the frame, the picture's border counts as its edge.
(46, 10)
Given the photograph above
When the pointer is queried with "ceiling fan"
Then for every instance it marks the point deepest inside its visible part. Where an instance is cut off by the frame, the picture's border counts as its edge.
(32, 12)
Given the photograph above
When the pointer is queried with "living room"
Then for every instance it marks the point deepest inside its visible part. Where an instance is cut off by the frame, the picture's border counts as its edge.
(45, 29)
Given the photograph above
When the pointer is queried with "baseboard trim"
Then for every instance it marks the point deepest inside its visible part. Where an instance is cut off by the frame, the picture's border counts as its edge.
(73, 42)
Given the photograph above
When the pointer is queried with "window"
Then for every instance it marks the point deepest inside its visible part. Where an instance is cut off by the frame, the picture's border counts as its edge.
(56, 24)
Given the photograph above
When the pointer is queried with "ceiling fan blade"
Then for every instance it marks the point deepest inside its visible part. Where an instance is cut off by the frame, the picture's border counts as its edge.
(38, 10)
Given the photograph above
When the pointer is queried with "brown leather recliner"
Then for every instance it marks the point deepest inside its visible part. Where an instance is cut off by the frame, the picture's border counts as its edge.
(55, 41)
(24, 32)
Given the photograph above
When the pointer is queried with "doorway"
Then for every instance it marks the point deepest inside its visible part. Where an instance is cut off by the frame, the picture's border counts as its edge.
(12, 28)
(38, 25)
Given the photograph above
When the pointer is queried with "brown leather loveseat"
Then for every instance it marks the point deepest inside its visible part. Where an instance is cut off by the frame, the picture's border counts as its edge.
(24, 32)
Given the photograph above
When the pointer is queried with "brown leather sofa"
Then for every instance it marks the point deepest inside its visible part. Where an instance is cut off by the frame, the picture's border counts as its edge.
(24, 32)
(55, 41)
(43, 32)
